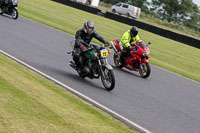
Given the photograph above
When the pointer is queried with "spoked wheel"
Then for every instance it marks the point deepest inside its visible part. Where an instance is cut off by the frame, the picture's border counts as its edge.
(108, 79)
(117, 62)
(145, 70)
(14, 13)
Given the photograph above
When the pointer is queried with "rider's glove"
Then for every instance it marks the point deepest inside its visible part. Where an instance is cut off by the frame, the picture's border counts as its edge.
(107, 43)
(81, 41)
(133, 44)
(82, 47)
(129, 49)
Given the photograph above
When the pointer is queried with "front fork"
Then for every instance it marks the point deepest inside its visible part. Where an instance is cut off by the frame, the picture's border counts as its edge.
(143, 60)
(104, 63)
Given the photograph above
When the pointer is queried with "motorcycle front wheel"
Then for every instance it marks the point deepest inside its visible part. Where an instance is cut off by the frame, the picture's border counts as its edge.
(116, 60)
(145, 70)
(108, 79)
(14, 13)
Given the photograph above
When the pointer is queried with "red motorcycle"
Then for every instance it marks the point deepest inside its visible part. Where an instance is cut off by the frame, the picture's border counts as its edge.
(137, 59)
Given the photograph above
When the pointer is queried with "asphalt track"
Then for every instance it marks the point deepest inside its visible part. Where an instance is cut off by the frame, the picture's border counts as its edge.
(163, 103)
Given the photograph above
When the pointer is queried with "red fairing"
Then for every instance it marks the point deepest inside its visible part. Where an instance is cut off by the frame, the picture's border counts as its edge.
(135, 60)
(117, 44)
(136, 56)
(144, 60)
(129, 62)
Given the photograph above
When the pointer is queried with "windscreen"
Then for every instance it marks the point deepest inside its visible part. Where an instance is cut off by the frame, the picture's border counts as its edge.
(142, 45)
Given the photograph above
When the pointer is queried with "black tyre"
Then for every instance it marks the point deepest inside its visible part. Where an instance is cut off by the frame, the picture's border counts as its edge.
(116, 61)
(113, 10)
(80, 73)
(145, 70)
(109, 79)
(15, 13)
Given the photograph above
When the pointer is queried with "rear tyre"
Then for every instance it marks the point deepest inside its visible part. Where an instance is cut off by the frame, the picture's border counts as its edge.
(81, 75)
(145, 70)
(117, 62)
(109, 79)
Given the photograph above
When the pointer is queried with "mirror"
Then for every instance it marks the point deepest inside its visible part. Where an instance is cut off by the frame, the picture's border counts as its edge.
(149, 42)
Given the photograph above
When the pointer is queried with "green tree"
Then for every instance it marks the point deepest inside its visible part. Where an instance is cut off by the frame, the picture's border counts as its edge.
(194, 19)
(173, 10)
(138, 3)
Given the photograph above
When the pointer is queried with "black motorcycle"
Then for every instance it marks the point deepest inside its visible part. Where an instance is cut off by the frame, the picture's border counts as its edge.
(94, 64)
(9, 7)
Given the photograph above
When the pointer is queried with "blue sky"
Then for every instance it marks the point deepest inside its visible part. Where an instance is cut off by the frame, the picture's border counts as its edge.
(196, 2)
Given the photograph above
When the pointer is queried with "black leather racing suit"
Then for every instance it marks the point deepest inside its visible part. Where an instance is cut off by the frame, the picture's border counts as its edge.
(82, 36)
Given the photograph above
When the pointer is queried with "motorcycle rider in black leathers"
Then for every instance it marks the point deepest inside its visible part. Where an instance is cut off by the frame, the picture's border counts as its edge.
(85, 34)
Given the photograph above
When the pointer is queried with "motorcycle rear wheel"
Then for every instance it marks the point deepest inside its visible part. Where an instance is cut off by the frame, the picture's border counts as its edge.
(145, 70)
(81, 74)
(116, 61)
(109, 79)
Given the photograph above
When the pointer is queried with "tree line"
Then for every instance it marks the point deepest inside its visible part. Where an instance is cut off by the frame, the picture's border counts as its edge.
(183, 12)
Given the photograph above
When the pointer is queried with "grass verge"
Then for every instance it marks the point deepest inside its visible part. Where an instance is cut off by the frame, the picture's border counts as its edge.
(30, 103)
(166, 53)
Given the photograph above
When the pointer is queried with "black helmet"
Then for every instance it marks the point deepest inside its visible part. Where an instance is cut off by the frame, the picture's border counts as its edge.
(134, 31)
(89, 25)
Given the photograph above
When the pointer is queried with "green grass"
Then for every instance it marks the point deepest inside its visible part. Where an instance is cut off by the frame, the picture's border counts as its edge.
(166, 53)
(30, 103)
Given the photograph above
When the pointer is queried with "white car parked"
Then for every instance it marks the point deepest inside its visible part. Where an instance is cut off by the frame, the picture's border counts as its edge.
(126, 9)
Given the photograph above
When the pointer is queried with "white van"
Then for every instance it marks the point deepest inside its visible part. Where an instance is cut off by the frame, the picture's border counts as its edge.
(126, 9)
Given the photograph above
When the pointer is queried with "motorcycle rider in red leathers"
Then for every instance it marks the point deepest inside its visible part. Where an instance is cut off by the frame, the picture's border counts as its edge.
(85, 34)
(129, 38)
